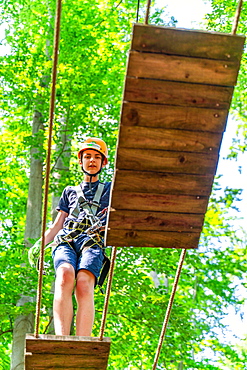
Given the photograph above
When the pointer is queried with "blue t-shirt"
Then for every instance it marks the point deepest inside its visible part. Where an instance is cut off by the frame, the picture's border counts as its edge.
(68, 200)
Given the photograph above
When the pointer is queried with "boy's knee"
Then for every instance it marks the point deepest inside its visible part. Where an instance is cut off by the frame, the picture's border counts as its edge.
(65, 275)
(85, 283)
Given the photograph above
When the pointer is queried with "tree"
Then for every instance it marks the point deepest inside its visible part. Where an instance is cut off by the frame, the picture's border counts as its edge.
(94, 42)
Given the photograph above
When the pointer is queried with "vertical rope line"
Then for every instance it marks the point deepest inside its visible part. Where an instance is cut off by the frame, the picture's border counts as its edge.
(169, 308)
(147, 11)
(108, 291)
(48, 161)
(137, 11)
(237, 16)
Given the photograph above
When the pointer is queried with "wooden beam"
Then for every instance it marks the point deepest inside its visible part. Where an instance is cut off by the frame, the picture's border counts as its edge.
(130, 200)
(193, 43)
(152, 221)
(177, 93)
(127, 238)
(66, 352)
(163, 183)
(173, 117)
(166, 139)
(63, 361)
(166, 161)
(178, 68)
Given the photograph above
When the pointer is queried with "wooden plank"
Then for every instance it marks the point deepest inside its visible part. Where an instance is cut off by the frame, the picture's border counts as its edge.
(159, 202)
(178, 68)
(60, 343)
(173, 117)
(162, 221)
(175, 140)
(163, 183)
(165, 161)
(53, 361)
(193, 43)
(177, 93)
(128, 238)
(66, 352)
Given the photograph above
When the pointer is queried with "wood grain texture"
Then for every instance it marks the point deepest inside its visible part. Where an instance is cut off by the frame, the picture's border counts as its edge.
(166, 139)
(191, 43)
(163, 183)
(177, 93)
(173, 117)
(152, 221)
(166, 161)
(158, 202)
(137, 238)
(66, 352)
(185, 69)
(61, 361)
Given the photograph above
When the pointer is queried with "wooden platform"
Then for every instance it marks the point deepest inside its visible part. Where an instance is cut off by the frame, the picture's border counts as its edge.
(178, 91)
(66, 352)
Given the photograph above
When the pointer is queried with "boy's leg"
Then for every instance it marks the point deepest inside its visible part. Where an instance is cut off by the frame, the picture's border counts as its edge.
(64, 258)
(84, 292)
(89, 266)
(62, 304)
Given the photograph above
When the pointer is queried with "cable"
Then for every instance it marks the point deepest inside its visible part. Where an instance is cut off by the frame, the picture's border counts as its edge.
(236, 18)
(137, 11)
(108, 291)
(147, 11)
(169, 308)
(48, 161)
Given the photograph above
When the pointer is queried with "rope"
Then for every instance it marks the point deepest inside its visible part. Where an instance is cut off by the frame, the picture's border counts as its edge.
(137, 11)
(237, 16)
(107, 297)
(147, 11)
(48, 162)
(169, 308)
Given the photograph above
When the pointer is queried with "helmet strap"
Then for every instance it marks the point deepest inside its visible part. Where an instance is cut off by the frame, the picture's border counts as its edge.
(95, 174)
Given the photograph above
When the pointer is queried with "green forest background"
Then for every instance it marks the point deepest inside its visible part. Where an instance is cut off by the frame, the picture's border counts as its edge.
(95, 38)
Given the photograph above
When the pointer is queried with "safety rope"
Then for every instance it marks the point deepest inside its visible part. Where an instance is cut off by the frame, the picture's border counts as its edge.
(147, 11)
(48, 161)
(108, 291)
(237, 16)
(137, 11)
(169, 307)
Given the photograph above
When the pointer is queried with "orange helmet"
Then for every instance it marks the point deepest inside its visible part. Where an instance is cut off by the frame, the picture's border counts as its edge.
(96, 144)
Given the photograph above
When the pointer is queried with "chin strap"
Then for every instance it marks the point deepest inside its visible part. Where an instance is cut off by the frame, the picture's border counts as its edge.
(94, 175)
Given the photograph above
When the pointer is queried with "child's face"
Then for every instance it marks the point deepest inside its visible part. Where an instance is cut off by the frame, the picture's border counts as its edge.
(91, 160)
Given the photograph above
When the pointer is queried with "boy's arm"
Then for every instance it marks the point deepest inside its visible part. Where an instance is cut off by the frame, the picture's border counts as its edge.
(56, 227)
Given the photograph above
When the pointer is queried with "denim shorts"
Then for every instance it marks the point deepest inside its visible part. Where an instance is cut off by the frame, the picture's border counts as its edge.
(91, 259)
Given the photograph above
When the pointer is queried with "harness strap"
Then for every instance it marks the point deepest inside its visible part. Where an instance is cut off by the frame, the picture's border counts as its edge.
(90, 206)
(104, 272)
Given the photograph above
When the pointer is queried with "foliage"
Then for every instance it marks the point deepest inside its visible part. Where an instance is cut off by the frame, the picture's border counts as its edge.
(94, 41)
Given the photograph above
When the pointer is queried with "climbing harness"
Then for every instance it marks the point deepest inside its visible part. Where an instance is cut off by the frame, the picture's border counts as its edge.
(91, 225)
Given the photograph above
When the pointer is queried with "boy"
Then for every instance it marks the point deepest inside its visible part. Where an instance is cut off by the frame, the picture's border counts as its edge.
(78, 255)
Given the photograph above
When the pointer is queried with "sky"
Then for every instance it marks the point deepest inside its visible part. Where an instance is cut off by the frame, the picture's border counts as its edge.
(188, 13)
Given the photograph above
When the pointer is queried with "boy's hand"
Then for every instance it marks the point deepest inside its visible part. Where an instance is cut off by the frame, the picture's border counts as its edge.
(34, 252)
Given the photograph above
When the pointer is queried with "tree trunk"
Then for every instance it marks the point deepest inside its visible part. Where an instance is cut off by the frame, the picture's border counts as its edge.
(61, 168)
(25, 323)
(34, 202)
